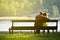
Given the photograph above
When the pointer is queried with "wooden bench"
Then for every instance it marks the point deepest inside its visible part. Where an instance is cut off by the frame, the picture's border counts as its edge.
(21, 27)
(32, 27)
(50, 27)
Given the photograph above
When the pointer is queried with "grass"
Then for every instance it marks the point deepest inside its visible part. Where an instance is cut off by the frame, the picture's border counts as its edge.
(51, 36)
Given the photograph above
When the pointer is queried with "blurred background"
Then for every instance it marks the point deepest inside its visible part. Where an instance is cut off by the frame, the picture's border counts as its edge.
(29, 8)
(26, 9)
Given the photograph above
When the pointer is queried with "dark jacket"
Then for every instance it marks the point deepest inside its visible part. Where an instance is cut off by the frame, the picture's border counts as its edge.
(40, 20)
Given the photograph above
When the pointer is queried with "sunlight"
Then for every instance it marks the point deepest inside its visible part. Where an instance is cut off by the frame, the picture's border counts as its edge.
(20, 35)
(41, 1)
(17, 4)
(25, 1)
(12, 18)
(22, 5)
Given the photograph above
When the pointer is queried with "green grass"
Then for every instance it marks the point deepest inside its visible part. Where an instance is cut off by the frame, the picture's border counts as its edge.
(51, 36)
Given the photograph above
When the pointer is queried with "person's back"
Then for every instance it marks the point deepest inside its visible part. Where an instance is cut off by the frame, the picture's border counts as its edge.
(39, 21)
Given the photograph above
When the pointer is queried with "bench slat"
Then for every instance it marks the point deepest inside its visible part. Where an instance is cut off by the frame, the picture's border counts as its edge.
(22, 28)
(23, 20)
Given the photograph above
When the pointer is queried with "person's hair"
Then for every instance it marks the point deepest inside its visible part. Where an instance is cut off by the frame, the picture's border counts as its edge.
(44, 14)
(41, 13)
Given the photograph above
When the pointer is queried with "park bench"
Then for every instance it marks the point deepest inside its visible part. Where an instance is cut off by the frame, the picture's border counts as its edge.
(51, 27)
(21, 27)
(32, 27)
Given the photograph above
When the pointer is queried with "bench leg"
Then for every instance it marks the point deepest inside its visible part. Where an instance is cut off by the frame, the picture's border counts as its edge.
(43, 31)
(48, 30)
(53, 31)
(39, 31)
(31, 31)
(56, 30)
(35, 32)
(9, 31)
(12, 31)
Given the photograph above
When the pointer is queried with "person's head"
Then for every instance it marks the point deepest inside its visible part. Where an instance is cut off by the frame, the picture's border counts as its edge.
(41, 13)
(44, 14)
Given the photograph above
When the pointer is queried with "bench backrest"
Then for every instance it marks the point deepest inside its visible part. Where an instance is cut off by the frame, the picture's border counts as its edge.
(56, 21)
(53, 21)
(21, 21)
(33, 21)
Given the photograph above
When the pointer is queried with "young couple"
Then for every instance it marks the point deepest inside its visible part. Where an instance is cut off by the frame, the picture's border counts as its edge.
(40, 21)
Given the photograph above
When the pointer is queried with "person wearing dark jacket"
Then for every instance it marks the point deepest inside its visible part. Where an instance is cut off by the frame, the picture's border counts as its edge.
(39, 21)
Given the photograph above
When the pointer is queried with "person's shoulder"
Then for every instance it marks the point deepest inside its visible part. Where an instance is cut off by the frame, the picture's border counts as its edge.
(45, 18)
(37, 15)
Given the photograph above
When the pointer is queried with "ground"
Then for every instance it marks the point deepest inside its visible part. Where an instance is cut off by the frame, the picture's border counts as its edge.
(23, 36)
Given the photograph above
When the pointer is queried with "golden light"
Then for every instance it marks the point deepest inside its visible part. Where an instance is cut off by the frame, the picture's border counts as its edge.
(16, 18)
(41, 1)
(19, 7)
(19, 35)
(17, 4)
(22, 5)
(26, 1)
